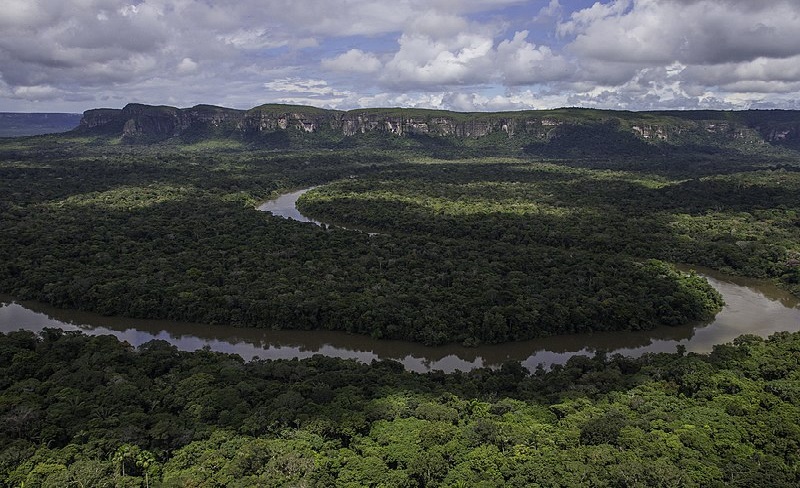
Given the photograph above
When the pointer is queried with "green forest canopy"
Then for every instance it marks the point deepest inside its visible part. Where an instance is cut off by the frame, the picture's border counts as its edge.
(91, 411)
(477, 250)
(481, 244)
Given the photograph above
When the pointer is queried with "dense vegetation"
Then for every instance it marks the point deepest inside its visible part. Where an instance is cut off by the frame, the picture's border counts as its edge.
(161, 232)
(573, 229)
(741, 219)
(90, 411)
(474, 250)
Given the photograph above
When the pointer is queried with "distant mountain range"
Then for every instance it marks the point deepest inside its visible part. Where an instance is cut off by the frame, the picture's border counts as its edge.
(570, 132)
(31, 124)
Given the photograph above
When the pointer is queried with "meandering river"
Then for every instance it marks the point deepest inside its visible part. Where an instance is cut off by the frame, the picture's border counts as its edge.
(752, 307)
(286, 206)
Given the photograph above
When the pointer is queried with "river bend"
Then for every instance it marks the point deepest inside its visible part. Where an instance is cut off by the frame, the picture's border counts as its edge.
(752, 307)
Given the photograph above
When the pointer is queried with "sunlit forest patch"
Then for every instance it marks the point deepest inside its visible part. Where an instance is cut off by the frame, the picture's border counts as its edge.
(127, 197)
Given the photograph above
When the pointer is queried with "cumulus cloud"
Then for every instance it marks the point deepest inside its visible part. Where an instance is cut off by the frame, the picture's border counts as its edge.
(187, 65)
(524, 63)
(552, 10)
(762, 70)
(317, 87)
(710, 53)
(467, 54)
(49, 43)
(425, 60)
(474, 102)
(691, 31)
(353, 61)
(251, 39)
(37, 92)
(313, 92)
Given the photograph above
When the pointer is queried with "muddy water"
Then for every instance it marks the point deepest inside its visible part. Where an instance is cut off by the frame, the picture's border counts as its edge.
(752, 307)
(286, 206)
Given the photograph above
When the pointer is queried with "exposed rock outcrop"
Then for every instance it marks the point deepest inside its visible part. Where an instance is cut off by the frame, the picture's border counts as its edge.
(99, 117)
(145, 123)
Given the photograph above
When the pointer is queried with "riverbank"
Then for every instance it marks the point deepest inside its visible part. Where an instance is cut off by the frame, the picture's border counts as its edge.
(751, 307)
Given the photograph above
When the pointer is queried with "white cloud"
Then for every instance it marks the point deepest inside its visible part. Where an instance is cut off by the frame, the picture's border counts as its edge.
(128, 10)
(300, 86)
(471, 57)
(551, 11)
(582, 19)
(423, 60)
(390, 99)
(436, 25)
(433, 53)
(353, 61)
(757, 70)
(187, 65)
(512, 100)
(698, 32)
(753, 87)
(524, 63)
(23, 13)
(36, 93)
(251, 39)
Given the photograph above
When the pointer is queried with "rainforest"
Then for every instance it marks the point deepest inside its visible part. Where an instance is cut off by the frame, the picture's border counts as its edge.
(445, 228)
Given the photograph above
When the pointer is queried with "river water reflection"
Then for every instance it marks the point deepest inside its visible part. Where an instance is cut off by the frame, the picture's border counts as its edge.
(286, 206)
(752, 307)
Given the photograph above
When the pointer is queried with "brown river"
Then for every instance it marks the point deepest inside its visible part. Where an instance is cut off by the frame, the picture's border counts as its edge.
(752, 307)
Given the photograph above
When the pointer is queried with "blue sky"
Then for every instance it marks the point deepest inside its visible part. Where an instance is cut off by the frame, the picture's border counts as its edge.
(467, 55)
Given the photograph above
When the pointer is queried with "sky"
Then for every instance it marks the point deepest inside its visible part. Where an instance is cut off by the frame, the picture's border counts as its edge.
(464, 55)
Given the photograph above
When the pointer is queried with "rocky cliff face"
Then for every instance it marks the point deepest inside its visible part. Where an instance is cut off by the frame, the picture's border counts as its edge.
(145, 123)
(782, 133)
(99, 117)
(137, 121)
(274, 118)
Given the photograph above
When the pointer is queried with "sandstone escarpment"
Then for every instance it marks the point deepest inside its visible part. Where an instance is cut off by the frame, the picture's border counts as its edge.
(99, 117)
(145, 123)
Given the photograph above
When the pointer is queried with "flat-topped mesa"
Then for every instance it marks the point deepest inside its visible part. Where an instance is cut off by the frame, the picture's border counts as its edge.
(274, 117)
(147, 123)
(404, 122)
(151, 123)
(99, 117)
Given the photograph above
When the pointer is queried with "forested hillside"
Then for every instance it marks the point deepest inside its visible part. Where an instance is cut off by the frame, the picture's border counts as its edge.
(90, 411)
